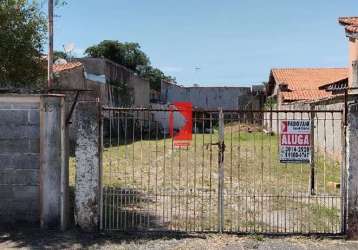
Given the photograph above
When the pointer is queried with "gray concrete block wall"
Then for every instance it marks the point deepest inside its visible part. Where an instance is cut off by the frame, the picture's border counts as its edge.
(33, 177)
(211, 97)
(19, 162)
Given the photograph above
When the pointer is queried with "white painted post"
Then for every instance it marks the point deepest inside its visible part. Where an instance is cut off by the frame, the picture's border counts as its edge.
(53, 163)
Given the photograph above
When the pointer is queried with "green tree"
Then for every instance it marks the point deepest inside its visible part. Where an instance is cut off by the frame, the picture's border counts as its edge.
(22, 35)
(127, 54)
(131, 56)
(60, 3)
(59, 54)
(154, 76)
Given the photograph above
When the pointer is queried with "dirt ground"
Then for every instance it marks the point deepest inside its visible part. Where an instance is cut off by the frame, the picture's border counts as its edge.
(73, 239)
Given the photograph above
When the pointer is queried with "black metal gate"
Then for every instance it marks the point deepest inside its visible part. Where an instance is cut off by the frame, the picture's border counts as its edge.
(229, 179)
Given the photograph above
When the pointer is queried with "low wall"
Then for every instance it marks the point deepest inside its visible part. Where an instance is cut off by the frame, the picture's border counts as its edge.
(33, 160)
(211, 97)
(20, 160)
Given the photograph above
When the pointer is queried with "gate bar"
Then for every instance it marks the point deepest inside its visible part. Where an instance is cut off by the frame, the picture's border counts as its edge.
(224, 110)
(221, 172)
(312, 163)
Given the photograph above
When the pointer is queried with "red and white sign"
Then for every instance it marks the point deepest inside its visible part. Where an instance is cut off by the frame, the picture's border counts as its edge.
(184, 113)
(295, 141)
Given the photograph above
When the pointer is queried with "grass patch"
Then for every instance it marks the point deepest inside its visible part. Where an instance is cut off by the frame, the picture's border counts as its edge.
(177, 188)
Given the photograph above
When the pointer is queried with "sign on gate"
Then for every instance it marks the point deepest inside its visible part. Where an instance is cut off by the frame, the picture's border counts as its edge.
(295, 141)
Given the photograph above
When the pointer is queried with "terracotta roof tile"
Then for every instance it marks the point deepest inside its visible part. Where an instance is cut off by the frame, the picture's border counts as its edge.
(350, 23)
(64, 67)
(309, 78)
(352, 29)
(348, 20)
(299, 95)
(304, 83)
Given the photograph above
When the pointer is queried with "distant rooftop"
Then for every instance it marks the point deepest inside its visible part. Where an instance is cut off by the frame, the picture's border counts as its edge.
(350, 23)
(57, 68)
(305, 83)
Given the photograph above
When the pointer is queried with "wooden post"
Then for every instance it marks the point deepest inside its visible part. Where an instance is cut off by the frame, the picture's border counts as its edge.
(50, 45)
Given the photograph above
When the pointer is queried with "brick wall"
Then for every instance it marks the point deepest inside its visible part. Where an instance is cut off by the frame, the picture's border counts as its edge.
(19, 162)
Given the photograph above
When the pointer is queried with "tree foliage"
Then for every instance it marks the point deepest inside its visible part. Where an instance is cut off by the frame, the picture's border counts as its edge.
(22, 35)
(59, 55)
(60, 3)
(131, 56)
(154, 76)
(127, 54)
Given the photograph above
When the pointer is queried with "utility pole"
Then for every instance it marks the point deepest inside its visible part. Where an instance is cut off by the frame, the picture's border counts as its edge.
(50, 44)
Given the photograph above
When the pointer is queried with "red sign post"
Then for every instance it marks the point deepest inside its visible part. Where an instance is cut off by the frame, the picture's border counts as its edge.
(183, 136)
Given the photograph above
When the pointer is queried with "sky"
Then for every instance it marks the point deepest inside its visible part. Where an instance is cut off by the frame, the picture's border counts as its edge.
(214, 42)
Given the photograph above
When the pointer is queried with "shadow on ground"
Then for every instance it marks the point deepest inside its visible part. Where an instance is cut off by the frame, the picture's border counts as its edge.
(27, 237)
(34, 238)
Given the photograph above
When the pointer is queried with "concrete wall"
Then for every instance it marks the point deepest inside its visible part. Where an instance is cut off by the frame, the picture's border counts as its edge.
(141, 91)
(75, 79)
(139, 88)
(33, 160)
(20, 160)
(210, 97)
(353, 56)
(71, 79)
(95, 66)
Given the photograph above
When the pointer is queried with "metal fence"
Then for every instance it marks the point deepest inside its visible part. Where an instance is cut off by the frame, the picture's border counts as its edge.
(229, 179)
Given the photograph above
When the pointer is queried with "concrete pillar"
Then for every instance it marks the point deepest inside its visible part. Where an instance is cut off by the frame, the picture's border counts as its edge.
(87, 188)
(353, 57)
(354, 77)
(352, 165)
(53, 163)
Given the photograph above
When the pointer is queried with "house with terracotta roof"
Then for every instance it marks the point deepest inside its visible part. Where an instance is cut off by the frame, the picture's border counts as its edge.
(315, 84)
(288, 85)
(300, 89)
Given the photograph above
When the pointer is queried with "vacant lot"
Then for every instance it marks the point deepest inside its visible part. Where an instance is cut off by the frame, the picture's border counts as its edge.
(151, 184)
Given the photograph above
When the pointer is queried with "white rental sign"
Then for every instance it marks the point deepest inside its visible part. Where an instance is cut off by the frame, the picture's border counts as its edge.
(295, 141)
